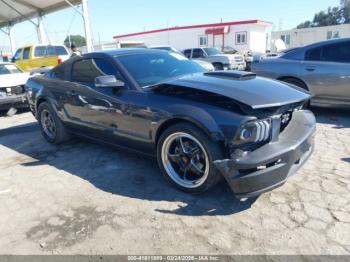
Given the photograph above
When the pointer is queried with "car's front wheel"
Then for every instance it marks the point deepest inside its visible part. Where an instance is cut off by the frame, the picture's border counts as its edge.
(185, 156)
(51, 126)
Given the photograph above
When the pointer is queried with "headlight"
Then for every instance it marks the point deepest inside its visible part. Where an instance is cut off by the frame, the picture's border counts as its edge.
(209, 67)
(255, 131)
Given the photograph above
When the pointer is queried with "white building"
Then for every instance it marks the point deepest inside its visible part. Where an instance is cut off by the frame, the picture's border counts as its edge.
(301, 37)
(243, 36)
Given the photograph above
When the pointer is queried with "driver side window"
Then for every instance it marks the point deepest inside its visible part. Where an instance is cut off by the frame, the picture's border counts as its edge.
(197, 53)
(86, 70)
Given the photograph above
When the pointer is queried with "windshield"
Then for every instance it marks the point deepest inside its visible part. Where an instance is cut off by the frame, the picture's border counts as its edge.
(152, 68)
(6, 69)
(212, 51)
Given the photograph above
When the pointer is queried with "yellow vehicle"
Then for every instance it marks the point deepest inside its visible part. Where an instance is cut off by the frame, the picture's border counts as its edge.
(36, 56)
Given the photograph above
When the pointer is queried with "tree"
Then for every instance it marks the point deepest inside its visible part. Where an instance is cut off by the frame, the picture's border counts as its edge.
(345, 5)
(78, 40)
(332, 16)
(306, 24)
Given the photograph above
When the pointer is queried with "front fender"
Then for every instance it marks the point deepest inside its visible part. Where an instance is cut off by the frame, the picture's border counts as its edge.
(219, 124)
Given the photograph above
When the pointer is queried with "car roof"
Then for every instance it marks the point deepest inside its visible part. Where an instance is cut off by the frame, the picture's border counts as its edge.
(129, 51)
(331, 41)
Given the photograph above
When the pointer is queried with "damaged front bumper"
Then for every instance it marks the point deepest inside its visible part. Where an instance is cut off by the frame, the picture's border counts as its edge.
(253, 173)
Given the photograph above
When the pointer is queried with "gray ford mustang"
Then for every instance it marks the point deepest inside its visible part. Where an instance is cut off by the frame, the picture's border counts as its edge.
(200, 125)
(322, 68)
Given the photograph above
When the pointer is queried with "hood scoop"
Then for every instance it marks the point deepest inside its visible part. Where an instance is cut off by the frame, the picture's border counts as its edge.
(234, 75)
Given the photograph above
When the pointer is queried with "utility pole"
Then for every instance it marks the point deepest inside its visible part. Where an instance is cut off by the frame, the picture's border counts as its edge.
(86, 19)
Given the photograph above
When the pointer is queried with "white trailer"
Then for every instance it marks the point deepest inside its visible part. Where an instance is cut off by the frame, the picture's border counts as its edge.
(301, 37)
(251, 35)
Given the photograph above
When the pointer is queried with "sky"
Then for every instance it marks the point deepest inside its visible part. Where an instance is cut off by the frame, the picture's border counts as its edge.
(113, 17)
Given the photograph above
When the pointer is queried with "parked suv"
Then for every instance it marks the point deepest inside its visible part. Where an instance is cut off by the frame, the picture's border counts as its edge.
(36, 56)
(219, 60)
(322, 68)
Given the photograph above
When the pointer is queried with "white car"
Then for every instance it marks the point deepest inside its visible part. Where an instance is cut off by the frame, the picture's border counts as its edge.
(206, 65)
(12, 93)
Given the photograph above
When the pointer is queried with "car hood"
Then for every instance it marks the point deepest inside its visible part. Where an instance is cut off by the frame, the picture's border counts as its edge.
(247, 88)
(229, 56)
(9, 80)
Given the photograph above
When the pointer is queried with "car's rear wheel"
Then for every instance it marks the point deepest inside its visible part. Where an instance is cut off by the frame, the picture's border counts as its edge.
(185, 156)
(51, 126)
(296, 82)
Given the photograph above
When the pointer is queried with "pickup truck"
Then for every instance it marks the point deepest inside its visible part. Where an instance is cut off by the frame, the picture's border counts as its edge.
(12, 93)
(219, 60)
(37, 56)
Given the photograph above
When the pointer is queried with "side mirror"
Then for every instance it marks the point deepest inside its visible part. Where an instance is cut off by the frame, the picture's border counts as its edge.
(13, 60)
(108, 81)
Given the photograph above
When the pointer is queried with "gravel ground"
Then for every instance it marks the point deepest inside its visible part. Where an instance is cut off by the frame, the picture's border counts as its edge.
(85, 198)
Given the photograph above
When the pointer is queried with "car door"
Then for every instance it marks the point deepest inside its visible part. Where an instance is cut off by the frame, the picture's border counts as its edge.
(104, 112)
(23, 61)
(326, 71)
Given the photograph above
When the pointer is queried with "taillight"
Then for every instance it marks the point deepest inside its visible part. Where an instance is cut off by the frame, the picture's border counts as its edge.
(59, 61)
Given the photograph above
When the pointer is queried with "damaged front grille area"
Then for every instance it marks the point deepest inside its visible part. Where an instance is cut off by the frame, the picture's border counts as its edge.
(14, 90)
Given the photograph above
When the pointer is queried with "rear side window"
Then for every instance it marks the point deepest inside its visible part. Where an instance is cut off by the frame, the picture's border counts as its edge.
(187, 53)
(339, 52)
(26, 52)
(40, 51)
(60, 50)
(51, 51)
(85, 71)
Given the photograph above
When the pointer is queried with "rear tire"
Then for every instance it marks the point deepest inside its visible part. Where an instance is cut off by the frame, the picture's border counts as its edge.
(200, 174)
(51, 126)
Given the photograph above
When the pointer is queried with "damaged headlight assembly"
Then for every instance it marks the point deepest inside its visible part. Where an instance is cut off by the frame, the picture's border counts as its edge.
(253, 132)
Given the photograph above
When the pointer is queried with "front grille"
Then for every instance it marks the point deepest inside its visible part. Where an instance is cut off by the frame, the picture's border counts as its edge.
(285, 120)
(263, 130)
(16, 90)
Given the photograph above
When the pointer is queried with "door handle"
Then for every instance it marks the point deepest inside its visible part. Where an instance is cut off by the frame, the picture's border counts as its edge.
(310, 69)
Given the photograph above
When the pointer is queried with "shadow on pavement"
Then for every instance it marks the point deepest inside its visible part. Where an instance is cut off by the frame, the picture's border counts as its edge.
(347, 159)
(340, 118)
(117, 172)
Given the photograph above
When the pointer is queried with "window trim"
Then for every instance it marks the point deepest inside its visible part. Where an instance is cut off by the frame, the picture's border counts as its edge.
(245, 33)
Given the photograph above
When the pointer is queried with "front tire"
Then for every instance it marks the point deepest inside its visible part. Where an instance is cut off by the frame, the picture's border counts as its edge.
(51, 126)
(185, 156)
